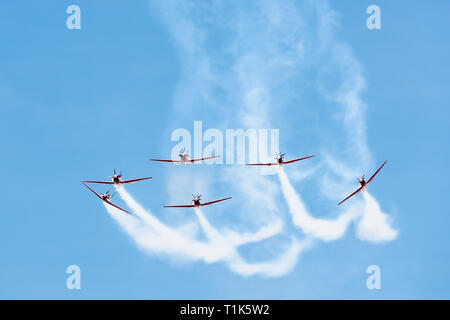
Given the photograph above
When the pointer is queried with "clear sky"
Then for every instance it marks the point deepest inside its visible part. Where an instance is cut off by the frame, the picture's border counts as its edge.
(75, 104)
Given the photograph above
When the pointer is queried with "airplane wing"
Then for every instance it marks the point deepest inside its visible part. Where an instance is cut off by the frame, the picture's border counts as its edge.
(261, 164)
(164, 160)
(103, 182)
(376, 172)
(134, 180)
(208, 203)
(106, 200)
(201, 159)
(290, 161)
(357, 190)
(182, 206)
(117, 207)
(83, 182)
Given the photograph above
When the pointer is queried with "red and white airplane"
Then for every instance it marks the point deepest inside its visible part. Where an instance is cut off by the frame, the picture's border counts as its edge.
(106, 197)
(116, 179)
(196, 202)
(184, 158)
(279, 161)
(363, 183)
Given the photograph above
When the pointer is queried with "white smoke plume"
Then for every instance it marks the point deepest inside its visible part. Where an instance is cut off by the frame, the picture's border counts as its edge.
(323, 229)
(278, 267)
(262, 65)
(154, 237)
(266, 50)
(374, 225)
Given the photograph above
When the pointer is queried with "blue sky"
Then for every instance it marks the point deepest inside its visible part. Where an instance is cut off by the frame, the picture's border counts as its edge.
(78, 103)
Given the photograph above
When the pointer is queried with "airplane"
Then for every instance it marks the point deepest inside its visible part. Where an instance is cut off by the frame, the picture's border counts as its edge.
(106, 197)
(279, 161)
(363, 183)
(196, 202)
(116, 179)
(184, 158)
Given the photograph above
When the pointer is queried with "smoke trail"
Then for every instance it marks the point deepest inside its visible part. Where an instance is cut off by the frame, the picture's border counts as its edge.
(147, 217)
(234, 237)
(327, 230)
(263, 233)
(283, 264)
(170, 243)
(163, 238)
(244, 67)
(374, 225)
(154, 237)
(210, 231)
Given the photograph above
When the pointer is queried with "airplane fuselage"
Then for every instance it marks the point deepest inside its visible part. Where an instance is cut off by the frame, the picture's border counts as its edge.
(280, 161)
(184, 158)
(362, 183)
(196, 202)
(116, 180)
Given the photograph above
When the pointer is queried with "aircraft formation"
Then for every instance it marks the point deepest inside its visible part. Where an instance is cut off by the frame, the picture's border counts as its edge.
(196, 199)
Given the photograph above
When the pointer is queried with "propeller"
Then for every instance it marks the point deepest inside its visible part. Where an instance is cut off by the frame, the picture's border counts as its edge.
(117, 175)
(279, 155)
